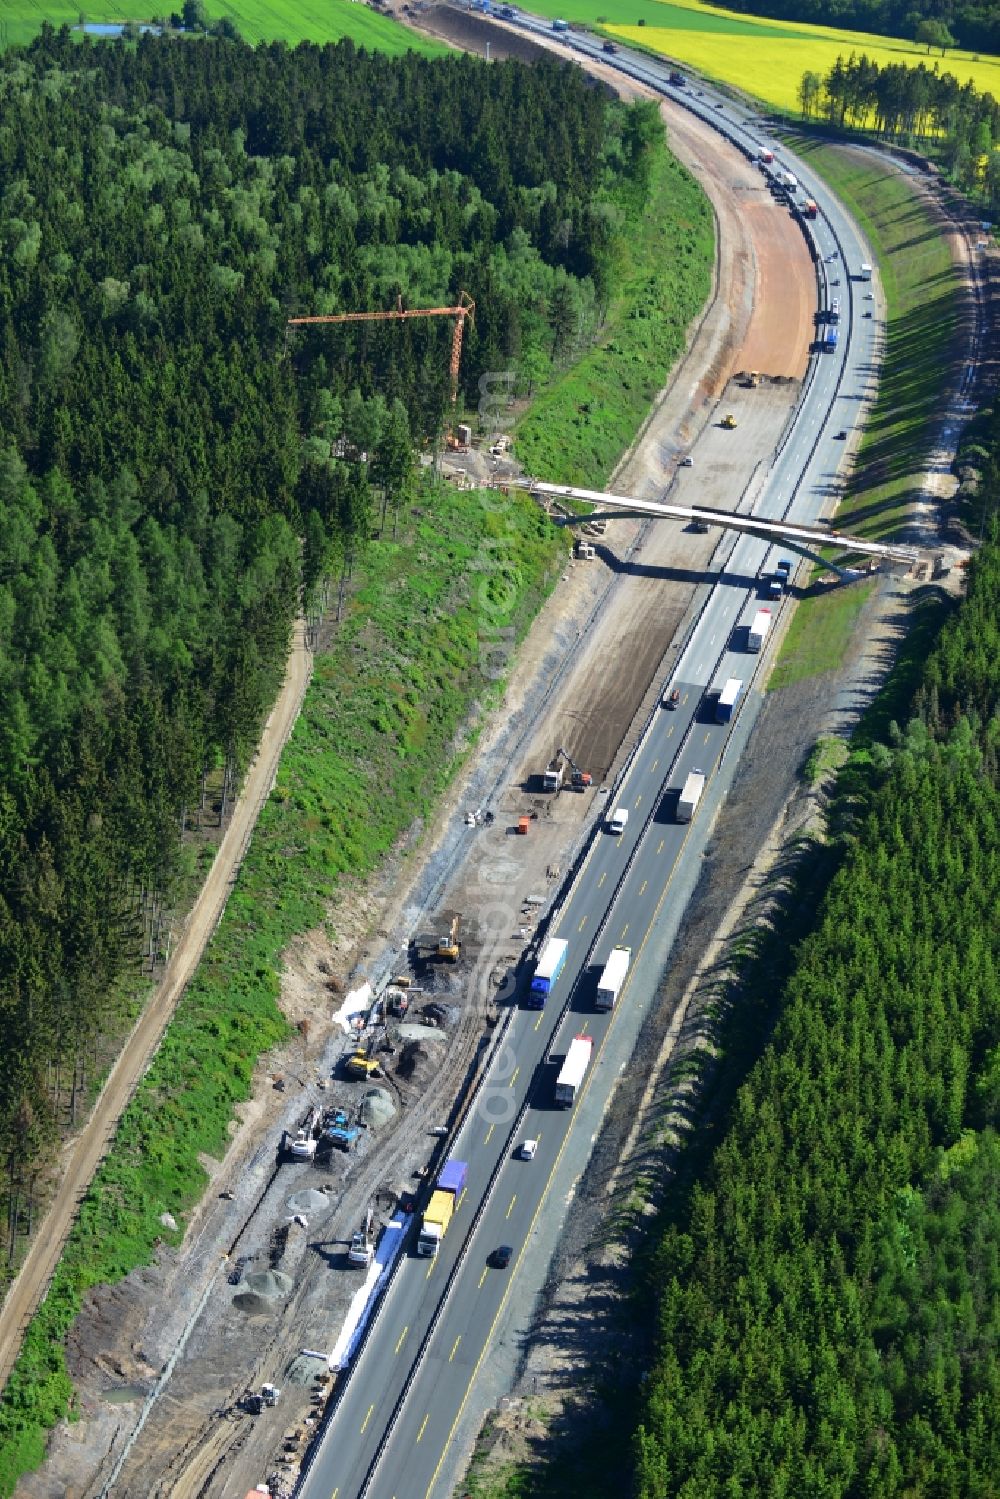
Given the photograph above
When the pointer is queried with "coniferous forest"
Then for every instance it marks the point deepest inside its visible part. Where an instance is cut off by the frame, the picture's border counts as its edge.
(174, 476)
(828, 1283)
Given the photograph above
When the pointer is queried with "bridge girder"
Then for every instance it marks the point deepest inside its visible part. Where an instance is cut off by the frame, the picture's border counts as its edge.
(795, 536)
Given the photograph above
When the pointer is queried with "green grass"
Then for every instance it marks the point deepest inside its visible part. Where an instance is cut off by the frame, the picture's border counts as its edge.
(576, 431)
(258, 21)
(819, 634)
(827, 755)
(373, 747)
(921, 286)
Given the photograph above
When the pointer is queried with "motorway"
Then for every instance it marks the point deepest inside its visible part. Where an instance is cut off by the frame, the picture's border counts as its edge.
(393, 1430)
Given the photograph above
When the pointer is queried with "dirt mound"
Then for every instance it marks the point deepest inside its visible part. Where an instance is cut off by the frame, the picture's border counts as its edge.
(254, 1305)
(417, 1063)
(270, 1283)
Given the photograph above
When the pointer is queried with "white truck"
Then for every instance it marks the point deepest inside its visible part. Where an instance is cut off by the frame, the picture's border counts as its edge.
(609, 985)
(690, 795)
(757, 633)
(728, 698)
(573, 1070)
(865, 273)
(788, 181)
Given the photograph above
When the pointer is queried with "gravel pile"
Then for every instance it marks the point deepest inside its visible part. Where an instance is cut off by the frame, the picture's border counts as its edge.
(413, 1032)
(309, 1201)
(377, 1108)
(270, 1283)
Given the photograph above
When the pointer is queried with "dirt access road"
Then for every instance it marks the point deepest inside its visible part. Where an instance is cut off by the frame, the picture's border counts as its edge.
(85, 1152)
(600, 615)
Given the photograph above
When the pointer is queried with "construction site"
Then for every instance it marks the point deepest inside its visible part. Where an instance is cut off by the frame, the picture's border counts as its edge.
(210, 1371)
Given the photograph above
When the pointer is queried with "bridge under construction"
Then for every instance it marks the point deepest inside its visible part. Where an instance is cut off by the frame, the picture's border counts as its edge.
(804, 539)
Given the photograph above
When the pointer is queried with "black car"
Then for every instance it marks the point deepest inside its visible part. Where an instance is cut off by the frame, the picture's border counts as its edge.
(501, 1257)
(609, 47)
(841, 436)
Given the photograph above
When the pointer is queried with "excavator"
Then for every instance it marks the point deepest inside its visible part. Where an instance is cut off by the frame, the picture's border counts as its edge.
(579, 779)
(443, 946)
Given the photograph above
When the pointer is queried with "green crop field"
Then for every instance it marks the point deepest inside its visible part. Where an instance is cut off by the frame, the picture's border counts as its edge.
(257, 20)
(766, 58)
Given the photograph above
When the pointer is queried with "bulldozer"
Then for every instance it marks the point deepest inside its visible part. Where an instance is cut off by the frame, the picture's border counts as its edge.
(728, 422)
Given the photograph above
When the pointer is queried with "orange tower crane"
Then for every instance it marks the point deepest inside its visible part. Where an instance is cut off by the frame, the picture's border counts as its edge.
(466, 308)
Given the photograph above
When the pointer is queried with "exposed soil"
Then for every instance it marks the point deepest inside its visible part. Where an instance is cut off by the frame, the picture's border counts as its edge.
(580, 679)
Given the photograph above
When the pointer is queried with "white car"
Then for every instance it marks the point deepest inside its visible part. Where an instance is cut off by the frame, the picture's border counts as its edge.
(687, 462)
(869, 296)
(528, 1150)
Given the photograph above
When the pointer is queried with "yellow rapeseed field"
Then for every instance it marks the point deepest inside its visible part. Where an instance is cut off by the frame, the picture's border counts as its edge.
(771, 67)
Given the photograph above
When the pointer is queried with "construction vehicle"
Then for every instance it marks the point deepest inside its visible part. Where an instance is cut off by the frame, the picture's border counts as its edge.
(362, 1250)
(253, 1403)
(397, 1001)
(303, 1146)
(441, 1208)
(463, 311)
(552, 777)
(360, 1064)
(338, 1132)
(728, 422)
(442, 946)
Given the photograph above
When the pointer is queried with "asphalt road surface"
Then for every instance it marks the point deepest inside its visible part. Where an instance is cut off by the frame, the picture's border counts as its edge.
(420, 1372)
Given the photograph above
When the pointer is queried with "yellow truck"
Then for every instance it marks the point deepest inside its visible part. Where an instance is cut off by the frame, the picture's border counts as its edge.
(441, 1208)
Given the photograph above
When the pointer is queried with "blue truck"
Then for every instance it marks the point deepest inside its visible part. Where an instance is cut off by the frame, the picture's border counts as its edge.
(830, 341)
(550, 966)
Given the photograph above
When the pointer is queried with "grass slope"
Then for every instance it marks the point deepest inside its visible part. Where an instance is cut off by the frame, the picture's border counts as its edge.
(258, 21)
(577, 430)
(922, 287)
(766, 58)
